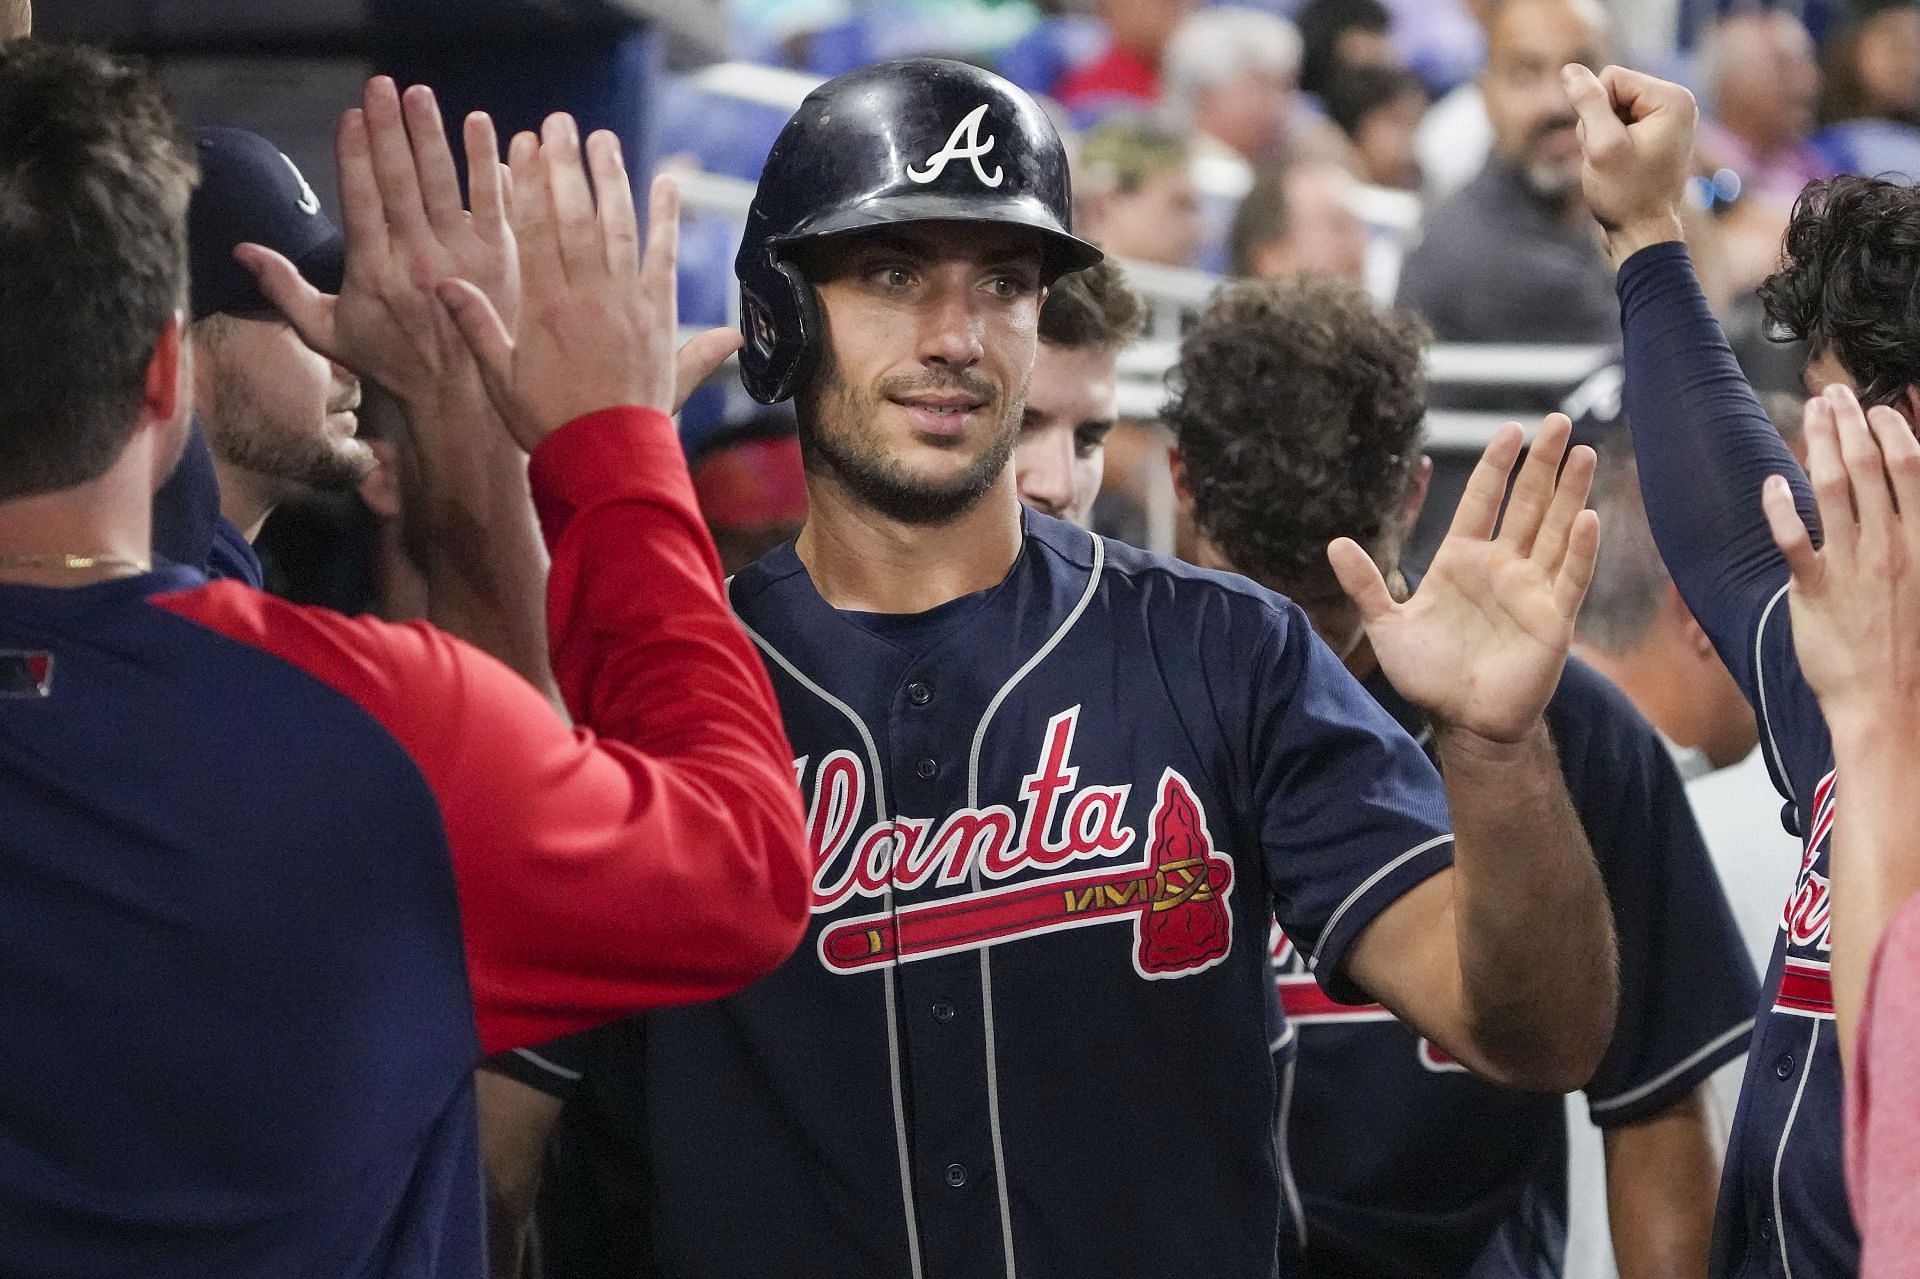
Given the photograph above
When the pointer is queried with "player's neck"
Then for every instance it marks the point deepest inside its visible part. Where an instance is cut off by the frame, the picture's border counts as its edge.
(863, 561)
(246, 499)
(108, 520)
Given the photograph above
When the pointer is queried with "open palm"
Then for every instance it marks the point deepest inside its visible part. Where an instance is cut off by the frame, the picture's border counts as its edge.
(1481, 644)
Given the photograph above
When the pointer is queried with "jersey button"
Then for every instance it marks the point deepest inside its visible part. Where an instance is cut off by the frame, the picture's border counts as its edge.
(919, 694)
(925, 770)
(942, 1011)
(1784, 1067)
(956, 1175)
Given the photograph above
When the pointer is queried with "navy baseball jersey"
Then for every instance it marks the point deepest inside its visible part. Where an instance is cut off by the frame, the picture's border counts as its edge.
(1406, 1165)
(1031, 1029)
(1705, 446)
(188, 528)
(272, 880)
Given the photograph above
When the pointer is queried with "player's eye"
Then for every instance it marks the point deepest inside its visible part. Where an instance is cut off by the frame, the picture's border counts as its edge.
(1010, 286)
(1089, 441)
(892, 275)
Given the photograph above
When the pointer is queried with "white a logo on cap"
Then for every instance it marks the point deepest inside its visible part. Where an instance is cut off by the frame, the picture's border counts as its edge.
(962, 144)
(309, 202)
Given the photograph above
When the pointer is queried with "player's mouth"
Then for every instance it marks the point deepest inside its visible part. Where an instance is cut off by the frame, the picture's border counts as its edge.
(942, 415)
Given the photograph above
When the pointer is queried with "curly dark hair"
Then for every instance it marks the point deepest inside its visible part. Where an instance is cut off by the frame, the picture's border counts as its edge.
(1297, 404)
(1092, 309)
(1850, 280)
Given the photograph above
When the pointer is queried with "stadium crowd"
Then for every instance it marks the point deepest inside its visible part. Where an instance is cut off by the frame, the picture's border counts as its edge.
(415, 616)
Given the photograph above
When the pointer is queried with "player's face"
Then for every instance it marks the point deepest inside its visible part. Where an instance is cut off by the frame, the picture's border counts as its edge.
(274, 408)
(1533, 123)
(931, 333)
(1071, 406)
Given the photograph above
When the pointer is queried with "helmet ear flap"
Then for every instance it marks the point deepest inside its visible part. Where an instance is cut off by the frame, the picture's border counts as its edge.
(779, 318)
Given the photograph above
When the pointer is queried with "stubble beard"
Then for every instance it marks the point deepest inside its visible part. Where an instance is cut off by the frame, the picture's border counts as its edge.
(290, 459)
(839, 437)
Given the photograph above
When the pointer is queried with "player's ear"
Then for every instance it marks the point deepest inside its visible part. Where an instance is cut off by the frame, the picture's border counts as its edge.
(1178, 466)
(1417, 488)
(1699, 644)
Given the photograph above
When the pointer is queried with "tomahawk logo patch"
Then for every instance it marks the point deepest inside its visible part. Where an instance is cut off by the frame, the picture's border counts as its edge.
(962, 144)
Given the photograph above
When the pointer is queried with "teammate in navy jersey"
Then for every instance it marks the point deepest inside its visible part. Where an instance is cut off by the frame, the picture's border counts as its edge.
(1704, 447)
(1058, 787)
(243, 1033)
(1405, 1164)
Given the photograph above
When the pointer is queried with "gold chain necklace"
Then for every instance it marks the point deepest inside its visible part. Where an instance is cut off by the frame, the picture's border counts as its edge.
(74, 563)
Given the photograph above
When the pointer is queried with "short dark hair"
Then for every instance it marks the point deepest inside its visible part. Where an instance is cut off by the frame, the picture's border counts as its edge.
(1851, 264)
(1360, 91)
(1298, 405)
(1322, 23)
(1091, 309)
(95, 175)
(1261, 217)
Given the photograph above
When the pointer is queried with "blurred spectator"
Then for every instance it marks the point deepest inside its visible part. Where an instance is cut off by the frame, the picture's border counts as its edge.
(751, 484)
(1231, 82)
(1339, 35)
(1762, 89)
(1455, 138)
(1872, 104)
(1300, 218)
(1134, 193)
(1514, 257)
(1128, 73)
(1072, 400)
(1379, 108)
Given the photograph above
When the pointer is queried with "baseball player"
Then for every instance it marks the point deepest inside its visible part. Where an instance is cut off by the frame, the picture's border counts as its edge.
(1405, 1164)
(1056, 787)
(1704, 446)
(275, 879)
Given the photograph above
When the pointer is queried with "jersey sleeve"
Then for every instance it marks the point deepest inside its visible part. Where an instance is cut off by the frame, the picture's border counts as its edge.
(1352, 814)
(1704, 447)
(655, 855)
(1687, 986)
(1883, 1102)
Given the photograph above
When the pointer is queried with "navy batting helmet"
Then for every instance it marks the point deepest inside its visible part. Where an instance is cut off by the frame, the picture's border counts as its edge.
(920, 140)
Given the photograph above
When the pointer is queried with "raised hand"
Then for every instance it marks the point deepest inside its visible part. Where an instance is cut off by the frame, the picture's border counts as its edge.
(1636, 133)
(407, 228)
(1481, 644)
(1856, 600)
(598, 322)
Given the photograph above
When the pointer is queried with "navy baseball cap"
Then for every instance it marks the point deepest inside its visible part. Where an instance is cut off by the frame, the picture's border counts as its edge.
(250, 193)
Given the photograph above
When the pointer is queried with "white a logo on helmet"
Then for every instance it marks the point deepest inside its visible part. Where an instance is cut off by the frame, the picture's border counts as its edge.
(309, 203)
(962, 144)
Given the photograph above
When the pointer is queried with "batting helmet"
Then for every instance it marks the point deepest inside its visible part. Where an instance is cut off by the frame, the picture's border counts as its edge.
(921, 140)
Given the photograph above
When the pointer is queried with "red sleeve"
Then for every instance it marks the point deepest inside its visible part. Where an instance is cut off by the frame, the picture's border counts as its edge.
(1883, 1104)
(655, 856)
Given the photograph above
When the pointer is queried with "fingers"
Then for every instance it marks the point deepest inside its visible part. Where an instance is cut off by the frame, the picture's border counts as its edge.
(393, 169)
(360, 206)
(1901, 453)
(1789, 532)
(1860, 455)
(1551, 547)
(1637, 95)
(1833, 496)
(485, 334)
(433, 167)
(619, 230)
(308, 309)
(663, 246)
(1360, 578)
(486, 178)
(1479, 507)
(1602, 132)
(1533, 491)
(533, 223)
(576, 227)
(700, 356)
(1576, 567)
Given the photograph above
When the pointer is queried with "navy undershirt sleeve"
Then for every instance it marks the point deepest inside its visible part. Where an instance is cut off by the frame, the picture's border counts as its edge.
(1704, 447)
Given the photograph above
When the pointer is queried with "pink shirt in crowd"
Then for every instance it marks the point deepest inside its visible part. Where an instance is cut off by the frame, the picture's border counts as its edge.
(1883, 1106)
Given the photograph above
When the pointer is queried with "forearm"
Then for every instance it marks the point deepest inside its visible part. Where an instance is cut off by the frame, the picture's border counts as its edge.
(515, 1124)
(1538, 986)
(1663, 1177)
(485, 563)
(1875, 864)
(1704, 447)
